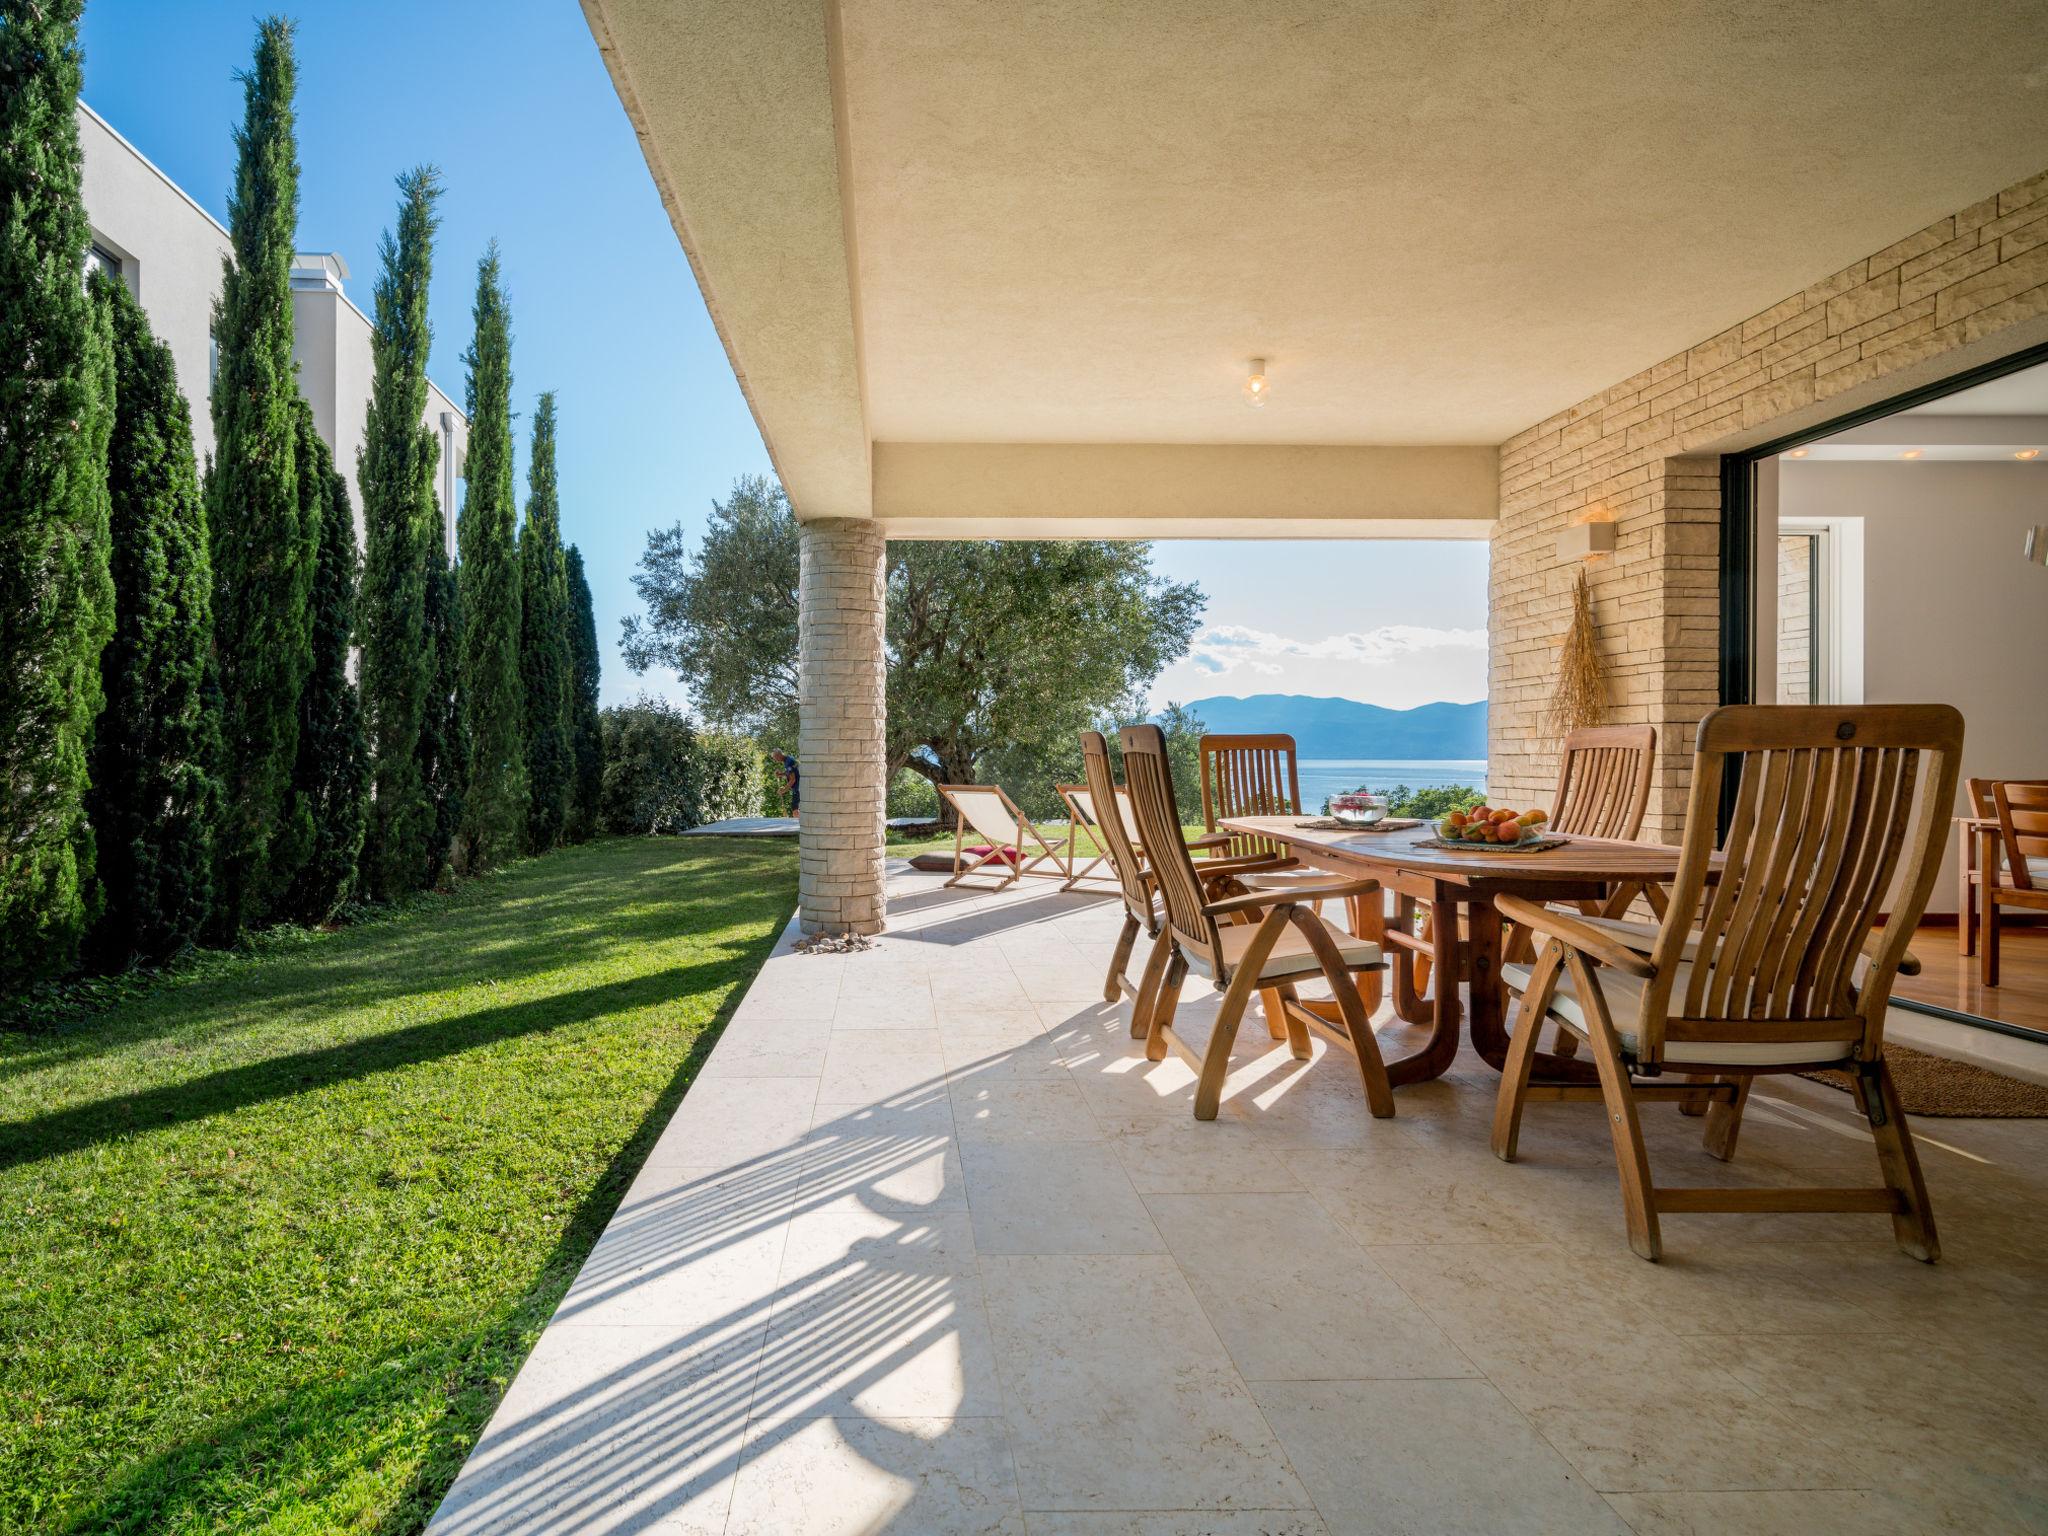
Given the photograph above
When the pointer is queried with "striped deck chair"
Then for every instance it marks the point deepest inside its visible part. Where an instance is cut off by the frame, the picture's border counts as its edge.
(1005, 831)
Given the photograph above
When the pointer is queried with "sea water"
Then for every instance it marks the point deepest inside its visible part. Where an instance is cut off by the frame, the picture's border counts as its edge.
(1322, 777)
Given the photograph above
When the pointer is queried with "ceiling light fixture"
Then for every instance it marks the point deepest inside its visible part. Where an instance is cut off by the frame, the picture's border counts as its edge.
(1911, 453)
(1798, 453)
(2028, 453)
(1256, 385)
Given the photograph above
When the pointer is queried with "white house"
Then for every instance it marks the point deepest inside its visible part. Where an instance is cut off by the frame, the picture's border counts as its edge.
(169, 251)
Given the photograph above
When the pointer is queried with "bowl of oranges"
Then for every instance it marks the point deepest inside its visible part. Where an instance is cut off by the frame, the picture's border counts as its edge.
(1487, 826)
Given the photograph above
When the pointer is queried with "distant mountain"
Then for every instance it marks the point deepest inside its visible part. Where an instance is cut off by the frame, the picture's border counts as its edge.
(1347, 728)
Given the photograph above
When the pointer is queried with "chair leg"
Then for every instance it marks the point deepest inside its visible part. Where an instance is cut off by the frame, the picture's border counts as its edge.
(1631, 1158)
(1148, 985)
(1125, 943)
(1160, 1019)
(1724, 1117)
(1987, 941)
(1276, 1015)
(1696, 1104)
(1913, 1224)
(1298, 1043)
(1216, 1061)
(1514, 1076)
(1365, 1045)
(1421, 964)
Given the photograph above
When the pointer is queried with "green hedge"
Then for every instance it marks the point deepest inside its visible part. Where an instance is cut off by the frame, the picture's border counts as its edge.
(662, 774)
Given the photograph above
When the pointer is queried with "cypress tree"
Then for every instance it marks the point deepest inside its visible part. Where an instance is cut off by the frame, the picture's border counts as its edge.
(155, 797)
(331, 779)
(56, 409)
(441, 732)
(397, 460)
(586, 735)
(263, 541)
(494, 791)
(544, 641)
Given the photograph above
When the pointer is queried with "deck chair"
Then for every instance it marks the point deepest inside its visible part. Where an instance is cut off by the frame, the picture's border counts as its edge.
(1120, 844)
(1288, 943)
(1006, 831)
(2017, 873)
(1838, 810)
(1084, 814)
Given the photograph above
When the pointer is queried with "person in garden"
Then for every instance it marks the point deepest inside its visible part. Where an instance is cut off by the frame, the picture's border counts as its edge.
(791, 780)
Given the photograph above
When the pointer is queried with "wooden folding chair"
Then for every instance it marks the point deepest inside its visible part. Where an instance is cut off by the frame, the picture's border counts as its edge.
(1288, 943)
(1083, 815)
(1979, 851)
(1247, 776)
(1603, 789)
(1838, 810)
(1220, 877)
(995, 819)
(2017, 876)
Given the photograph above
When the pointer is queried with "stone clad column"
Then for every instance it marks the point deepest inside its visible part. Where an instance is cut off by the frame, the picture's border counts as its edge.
(842, 699)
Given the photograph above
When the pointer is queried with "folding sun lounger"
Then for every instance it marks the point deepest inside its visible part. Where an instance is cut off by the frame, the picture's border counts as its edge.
(1004, 831)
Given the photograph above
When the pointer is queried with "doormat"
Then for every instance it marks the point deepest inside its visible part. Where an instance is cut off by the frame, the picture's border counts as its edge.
(1940, 1088)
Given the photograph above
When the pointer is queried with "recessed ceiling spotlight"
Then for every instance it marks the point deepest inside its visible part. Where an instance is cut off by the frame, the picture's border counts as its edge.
(1798, 453)
(2028, 453)
(1256, 385)
(1911, 453)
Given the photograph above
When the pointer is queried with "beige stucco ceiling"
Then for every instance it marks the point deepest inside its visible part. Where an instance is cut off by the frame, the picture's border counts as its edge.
(1072, 223)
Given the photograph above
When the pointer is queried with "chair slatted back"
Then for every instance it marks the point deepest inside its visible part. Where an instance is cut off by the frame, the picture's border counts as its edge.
(1109, 807)
(1837, 809)
(1149, 778)
(2022, 808)
(1978, 799)
(1249, 776)
(1603, 784)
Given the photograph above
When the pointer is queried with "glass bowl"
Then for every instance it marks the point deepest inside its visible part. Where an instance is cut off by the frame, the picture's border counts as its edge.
(1358, 810)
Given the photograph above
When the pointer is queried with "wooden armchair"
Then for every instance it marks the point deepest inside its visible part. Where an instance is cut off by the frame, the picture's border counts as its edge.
(1786, 972)
(1118, 834)
(2017, 876)
(1979, 850)
(1248, 776)
(1603, 788)
(1287, 943)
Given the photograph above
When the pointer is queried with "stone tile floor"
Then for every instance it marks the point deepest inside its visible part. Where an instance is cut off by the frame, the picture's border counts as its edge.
(930, 1247)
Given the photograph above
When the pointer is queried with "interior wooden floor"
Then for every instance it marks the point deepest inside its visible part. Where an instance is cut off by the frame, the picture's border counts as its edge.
(1949, 980)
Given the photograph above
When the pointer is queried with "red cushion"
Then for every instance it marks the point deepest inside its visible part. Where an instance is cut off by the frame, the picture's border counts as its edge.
(1007, 855)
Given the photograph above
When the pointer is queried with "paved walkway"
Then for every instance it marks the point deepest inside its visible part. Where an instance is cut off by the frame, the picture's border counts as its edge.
(931, 1248)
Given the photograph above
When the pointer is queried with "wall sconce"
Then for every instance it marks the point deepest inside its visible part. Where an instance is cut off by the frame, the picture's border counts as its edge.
(1583, 541)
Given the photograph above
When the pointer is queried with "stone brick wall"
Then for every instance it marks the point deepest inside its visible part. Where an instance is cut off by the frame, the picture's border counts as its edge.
(841, 699)
(1645, 455)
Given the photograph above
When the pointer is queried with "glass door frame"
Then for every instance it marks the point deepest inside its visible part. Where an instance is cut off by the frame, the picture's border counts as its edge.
(1739, 573)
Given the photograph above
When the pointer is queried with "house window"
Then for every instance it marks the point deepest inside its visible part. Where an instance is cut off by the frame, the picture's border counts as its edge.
(99, 259)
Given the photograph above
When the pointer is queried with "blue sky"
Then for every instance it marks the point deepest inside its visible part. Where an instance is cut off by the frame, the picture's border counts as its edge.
(511, 100)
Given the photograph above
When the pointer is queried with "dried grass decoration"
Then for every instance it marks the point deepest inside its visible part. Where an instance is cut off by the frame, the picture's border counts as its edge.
(1581, 696)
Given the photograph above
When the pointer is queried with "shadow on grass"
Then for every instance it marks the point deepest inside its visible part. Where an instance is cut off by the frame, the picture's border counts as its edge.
(454, 1384)
(541, 915)
(278, 1077)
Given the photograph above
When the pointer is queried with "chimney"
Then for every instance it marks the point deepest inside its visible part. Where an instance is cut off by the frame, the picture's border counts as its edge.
(316, 270)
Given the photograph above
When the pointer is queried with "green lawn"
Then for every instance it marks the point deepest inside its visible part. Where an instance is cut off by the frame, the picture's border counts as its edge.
(274, 1237)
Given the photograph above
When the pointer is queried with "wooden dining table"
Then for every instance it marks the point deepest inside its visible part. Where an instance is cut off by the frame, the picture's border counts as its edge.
(1454, 882)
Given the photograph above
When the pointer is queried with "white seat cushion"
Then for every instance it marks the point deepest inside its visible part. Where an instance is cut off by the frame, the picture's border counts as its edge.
(1291, 954)
(1624, 997)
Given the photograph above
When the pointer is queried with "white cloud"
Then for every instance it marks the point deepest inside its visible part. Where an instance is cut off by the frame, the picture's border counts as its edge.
(1224, 648)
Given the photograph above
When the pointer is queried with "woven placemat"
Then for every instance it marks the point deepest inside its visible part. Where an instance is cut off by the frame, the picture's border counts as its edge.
(1940, 1088)
(1332, 824)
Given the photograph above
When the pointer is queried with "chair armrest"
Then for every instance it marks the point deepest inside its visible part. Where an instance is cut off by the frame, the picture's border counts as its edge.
(1211, 840)
(1574, 932)
(1297, 895)
(1251, 863)
(1642, 938)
